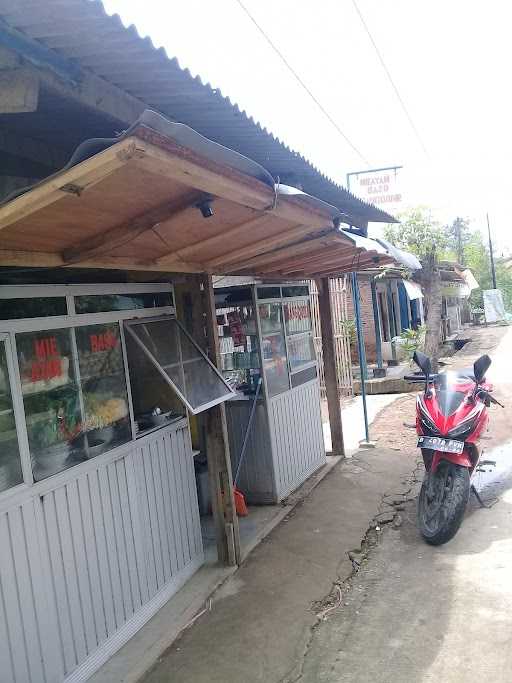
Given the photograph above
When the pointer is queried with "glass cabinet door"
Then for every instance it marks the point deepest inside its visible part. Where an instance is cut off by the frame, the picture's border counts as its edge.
(10, 463)
(179, 360)
(273, 348)
(51, 399)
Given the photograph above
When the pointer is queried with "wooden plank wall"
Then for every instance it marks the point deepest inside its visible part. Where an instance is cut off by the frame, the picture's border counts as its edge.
(297, 436)
(82, 562)
(340, 293)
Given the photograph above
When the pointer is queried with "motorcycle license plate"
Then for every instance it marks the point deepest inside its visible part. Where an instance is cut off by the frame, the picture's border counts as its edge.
(436, 443)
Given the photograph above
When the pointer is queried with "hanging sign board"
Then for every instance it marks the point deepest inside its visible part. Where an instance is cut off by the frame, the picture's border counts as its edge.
(380, 187)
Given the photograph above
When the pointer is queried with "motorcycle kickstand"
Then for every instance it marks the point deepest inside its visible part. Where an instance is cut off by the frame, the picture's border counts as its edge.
(481, 502)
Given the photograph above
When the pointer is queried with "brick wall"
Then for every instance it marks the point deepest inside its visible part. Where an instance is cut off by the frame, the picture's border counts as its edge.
(366, 306)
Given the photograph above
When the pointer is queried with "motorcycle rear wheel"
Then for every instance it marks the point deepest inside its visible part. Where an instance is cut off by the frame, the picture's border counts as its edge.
(442, 502)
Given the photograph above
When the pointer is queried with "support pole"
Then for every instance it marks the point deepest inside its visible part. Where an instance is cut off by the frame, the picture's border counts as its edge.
(217, 452)
(330, 369)
(361, 353)
(491, 254)
(376, 321)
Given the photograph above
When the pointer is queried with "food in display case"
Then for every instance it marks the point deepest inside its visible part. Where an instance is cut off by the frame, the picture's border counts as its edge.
(74, 394)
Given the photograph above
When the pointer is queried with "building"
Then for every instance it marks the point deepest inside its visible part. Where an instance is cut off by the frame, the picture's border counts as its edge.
(390, 302)
(110, 353)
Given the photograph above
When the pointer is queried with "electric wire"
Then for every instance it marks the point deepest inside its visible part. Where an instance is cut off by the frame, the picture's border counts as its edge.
(302, 84)
(390, 78)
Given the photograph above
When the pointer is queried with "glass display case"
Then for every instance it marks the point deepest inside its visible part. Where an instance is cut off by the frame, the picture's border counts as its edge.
(74, 394)
(238, 338)
(268, 328)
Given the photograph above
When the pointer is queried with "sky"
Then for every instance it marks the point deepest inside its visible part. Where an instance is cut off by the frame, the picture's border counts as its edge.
(450, 61)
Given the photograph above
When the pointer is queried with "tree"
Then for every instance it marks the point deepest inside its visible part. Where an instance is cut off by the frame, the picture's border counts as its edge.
(476, 258)
(419, 233)
(459, 236)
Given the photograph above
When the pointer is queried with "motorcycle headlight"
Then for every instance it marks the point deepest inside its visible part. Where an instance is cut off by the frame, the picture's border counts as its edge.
(428, 427)
(463, 430)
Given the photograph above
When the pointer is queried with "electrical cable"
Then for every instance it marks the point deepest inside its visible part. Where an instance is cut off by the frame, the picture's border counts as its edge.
(302, 84)
(390, 78)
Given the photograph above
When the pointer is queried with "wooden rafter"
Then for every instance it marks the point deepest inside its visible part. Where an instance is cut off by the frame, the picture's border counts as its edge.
(122, 234)
(216, 240)
(281, 254)
(259, 247)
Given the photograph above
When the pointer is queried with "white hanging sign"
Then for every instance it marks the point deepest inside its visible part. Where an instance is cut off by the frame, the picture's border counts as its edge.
(379, 187)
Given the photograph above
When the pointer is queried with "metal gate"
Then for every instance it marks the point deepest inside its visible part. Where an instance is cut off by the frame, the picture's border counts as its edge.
(339, 291)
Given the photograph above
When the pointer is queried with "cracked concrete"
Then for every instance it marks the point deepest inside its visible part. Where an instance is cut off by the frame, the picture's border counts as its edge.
(262, 621)
(418, 614)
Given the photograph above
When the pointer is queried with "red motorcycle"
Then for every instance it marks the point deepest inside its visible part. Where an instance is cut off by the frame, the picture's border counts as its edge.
(451, 415)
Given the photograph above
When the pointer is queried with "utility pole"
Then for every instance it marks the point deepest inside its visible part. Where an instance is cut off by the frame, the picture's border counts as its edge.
(493, 269)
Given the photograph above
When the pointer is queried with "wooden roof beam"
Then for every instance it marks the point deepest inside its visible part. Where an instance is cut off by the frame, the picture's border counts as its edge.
(39, 259)
(135, 227)
(259, 247)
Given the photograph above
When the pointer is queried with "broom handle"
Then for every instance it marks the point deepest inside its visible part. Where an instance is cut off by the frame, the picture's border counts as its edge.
(247, 431)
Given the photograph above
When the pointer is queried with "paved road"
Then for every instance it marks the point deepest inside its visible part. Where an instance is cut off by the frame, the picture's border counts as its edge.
(417, 613)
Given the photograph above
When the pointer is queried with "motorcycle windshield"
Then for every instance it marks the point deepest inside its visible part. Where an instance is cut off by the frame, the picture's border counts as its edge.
(448, 401)
(448, 396)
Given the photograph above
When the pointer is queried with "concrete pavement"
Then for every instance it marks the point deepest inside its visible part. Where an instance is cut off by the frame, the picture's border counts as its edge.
(416, 613)
(297, 611)
(263, 618)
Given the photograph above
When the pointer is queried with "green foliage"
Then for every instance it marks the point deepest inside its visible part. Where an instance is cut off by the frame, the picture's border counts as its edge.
(476, 258)
(413, 340)
(349, 328)
(458, 237)
(423, 236)
(418, 233)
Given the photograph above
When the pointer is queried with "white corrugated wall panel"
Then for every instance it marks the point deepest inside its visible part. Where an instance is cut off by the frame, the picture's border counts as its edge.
(84, 565)
(297, 436)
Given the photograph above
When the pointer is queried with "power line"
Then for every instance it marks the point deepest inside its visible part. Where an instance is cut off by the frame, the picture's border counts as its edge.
(302, 84)
(388, 74)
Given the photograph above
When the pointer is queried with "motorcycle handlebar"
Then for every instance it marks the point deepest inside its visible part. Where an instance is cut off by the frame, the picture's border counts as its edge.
(420, 378)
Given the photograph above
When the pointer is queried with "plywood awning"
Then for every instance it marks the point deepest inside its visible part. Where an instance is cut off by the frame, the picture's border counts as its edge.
(143, 203)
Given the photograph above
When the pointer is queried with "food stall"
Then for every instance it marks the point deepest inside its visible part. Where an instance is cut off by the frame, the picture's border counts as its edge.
(98, 503)
(265, 330)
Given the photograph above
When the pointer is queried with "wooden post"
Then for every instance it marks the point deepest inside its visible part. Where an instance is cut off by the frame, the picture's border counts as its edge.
(217, 452)
(330, 370)
(376, 322)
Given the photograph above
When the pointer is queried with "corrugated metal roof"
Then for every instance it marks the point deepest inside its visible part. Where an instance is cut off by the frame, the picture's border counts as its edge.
(81, 31)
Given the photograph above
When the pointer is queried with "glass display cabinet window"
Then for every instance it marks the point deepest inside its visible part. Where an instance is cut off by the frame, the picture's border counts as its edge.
(104, 394)
(51, 400)
(100, 303)
(238, 338)
(297, 315)
(74, 395)
(299, 334)
(180, 362)
(273, 348)
(10, 463)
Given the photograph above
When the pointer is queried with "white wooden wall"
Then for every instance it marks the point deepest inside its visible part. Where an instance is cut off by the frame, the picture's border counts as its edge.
(297, 436)
(85, 564)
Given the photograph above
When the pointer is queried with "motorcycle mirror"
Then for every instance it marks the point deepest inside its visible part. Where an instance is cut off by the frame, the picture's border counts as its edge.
(423, 362)
(480, 368)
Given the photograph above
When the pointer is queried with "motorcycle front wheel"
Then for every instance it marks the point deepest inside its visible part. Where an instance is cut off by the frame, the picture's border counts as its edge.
(443, 498)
